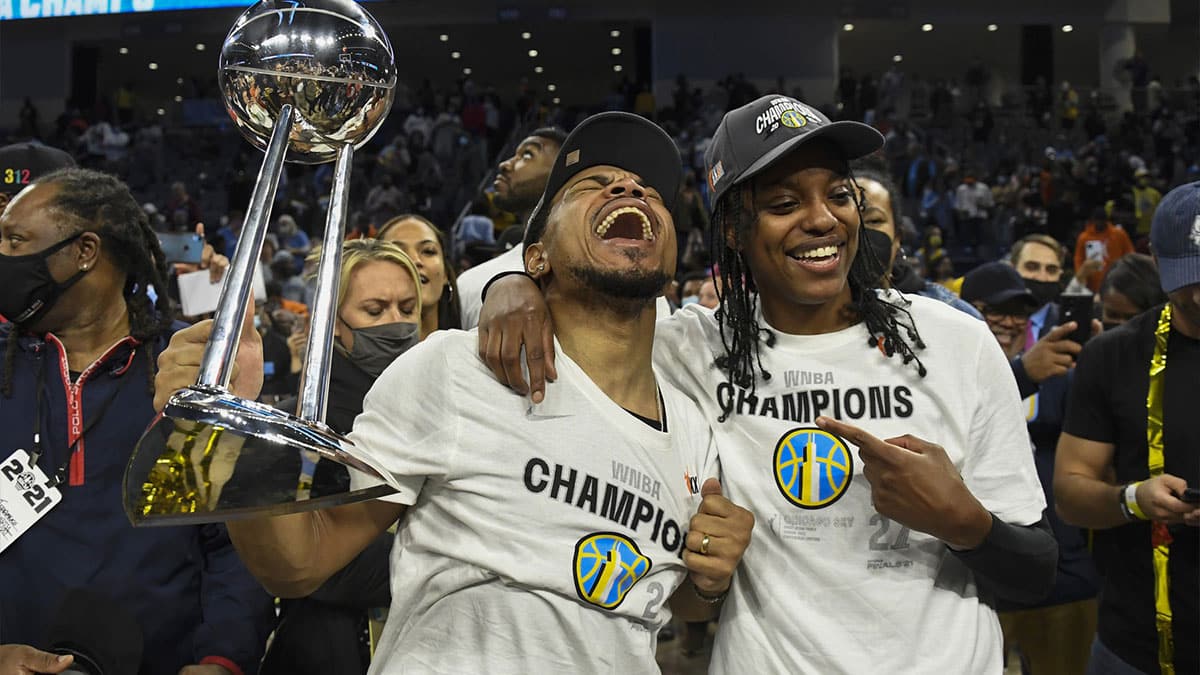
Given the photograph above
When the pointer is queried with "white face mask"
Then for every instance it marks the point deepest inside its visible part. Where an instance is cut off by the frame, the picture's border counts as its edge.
(689, 300)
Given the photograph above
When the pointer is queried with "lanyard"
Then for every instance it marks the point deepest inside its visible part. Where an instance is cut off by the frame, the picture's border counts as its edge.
(1160, 537)
(60, 472)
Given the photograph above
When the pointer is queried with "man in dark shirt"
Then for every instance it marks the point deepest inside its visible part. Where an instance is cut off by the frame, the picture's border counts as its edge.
(1128, 455)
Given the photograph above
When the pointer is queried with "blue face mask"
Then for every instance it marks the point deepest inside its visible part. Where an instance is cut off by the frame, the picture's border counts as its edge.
(689, 300)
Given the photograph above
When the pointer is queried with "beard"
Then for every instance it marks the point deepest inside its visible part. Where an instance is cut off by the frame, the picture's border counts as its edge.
(625, 292)
(520, 198)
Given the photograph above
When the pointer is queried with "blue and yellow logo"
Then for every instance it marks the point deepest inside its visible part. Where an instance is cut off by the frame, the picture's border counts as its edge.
(607, 565)
(793, 119)
(813, 468)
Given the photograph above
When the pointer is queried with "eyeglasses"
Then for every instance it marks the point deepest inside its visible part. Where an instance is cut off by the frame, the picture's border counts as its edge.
(999, 314)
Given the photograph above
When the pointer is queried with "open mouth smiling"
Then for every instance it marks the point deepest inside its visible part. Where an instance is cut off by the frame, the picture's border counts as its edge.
(819, 254)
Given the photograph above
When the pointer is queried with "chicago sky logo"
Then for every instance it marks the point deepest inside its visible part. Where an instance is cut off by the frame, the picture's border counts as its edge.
(812, 467)
(607, 565)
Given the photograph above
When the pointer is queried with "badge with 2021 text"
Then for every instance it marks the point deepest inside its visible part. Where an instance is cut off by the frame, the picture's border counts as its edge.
(25, 496)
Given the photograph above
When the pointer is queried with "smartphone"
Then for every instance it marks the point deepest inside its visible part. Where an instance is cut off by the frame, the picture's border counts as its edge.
(1077, 308)
(182, 247)
(1191, 496)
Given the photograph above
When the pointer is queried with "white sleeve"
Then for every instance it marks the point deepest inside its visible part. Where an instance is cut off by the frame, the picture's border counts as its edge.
(408, 429)
(681, 353)
(999, 468)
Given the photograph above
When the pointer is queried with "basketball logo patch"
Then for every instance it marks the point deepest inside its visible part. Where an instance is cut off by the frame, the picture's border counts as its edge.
(812, 467)
(607, 565)
(793, 119)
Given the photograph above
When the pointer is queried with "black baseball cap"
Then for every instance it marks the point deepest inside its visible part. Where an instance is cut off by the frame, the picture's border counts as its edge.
(998, 285)
(30, 161)
(1175, 237)
(758, 134)
(619, 139)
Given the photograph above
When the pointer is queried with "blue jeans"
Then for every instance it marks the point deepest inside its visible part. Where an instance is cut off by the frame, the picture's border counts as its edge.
(1105, 662)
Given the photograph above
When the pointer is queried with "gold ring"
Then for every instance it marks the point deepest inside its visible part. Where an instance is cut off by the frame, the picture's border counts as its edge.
(704, 545)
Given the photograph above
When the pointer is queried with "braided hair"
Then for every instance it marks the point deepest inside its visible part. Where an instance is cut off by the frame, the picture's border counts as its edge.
(890, 326)
(104, 205)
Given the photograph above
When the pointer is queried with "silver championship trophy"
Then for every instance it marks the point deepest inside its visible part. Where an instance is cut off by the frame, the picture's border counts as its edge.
(309, 80)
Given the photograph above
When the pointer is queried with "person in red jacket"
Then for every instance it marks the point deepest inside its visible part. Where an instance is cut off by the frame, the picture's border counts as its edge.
(1100, 242)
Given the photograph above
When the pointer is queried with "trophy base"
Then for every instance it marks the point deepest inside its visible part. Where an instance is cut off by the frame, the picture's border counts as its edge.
(212, 457)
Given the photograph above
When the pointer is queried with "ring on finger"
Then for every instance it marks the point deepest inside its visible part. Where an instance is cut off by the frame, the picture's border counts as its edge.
(704, 545)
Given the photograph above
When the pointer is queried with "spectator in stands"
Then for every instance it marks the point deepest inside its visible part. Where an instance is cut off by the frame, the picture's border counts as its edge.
(385, 200)
(226, 237)
(1129, 462)
(689, 288)
(519, 182)
(1130, 287)
(422, 242)
(1068, 103)
(475, 228)
(1145, 201)
(182, 211)
(292, 240)
(1052, 635)
(78, 262)
(378, 319)
(973, 204)
(1101, 243)
(691, 225)
(881, 213)
(283, 272)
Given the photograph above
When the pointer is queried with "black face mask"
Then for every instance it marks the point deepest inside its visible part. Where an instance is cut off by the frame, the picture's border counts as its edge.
(1044, 291)
(1112, 325)
(375, 347)
(881, 245)
(29, 289)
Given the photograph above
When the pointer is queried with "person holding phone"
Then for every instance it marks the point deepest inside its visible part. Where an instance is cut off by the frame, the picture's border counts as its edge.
(1128, 462)
(1054, 634)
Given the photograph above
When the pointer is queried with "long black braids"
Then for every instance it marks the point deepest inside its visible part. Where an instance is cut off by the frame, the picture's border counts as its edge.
(889, 324)
(104, 205)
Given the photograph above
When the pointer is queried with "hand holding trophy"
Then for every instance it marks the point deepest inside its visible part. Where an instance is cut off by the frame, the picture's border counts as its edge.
(307, 81)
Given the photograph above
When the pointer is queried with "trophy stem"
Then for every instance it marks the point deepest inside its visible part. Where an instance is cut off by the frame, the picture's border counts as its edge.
(317, 355)
(217, 365)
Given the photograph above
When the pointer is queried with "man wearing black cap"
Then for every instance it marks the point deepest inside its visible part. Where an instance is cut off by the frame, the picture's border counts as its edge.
(543, 538)
(1053, 635)
(1129, 462)
(874, 555)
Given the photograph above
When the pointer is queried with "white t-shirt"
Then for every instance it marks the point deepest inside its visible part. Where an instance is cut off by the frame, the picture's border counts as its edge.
(472, 281)
(540, 538)
(828, 585)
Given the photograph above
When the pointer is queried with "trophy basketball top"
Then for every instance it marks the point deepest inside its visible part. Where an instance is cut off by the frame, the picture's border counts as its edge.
(329, 59)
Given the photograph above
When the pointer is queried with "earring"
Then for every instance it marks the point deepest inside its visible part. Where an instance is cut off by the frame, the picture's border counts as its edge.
(541, 268)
